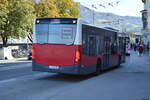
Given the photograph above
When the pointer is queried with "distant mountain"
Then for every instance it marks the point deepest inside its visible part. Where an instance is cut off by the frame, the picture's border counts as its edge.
(101, 19)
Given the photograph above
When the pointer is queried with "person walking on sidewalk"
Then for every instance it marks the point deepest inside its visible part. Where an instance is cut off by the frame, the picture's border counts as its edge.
(144, 48)
(147, 49)
(140, 49)
(135, 47)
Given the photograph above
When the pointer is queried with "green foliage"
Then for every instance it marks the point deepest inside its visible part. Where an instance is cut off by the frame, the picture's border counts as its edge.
(16, 17)
(67, 8)
(129, 33)
(46, 8)
(57, 8)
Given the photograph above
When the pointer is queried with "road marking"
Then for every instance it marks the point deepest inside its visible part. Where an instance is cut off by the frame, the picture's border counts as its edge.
(26, 77)
(15, 67)
(8, 80)
(14, 61)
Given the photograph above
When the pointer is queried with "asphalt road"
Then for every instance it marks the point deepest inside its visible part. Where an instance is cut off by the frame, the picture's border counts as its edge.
(131, 81)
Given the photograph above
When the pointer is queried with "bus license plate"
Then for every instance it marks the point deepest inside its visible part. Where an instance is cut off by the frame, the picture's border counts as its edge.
(53, 67)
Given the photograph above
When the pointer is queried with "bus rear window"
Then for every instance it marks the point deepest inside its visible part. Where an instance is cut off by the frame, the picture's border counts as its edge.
(55, 30)
(55, 33)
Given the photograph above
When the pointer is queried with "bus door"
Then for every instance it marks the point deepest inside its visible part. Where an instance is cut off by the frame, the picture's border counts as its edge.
(106, 51)
(92, 48)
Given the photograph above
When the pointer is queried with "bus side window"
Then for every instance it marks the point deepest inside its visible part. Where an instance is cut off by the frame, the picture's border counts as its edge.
(97, 45)
(84, 46)
(92, 46)
(114, 45)
(101, 45)
(107, 45)
(112, 48)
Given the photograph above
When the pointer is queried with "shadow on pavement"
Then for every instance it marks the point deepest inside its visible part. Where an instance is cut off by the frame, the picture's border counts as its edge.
(68, 78)
(75, 78)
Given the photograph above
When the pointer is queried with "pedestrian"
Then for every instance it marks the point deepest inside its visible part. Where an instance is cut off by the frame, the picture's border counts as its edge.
(148, 49)
(135, 47)
(144, 48)
(131, 46)
(127, 51)
(140, 48)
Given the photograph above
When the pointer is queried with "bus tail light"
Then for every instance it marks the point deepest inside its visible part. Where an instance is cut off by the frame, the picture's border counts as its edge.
(33, 53)
(77, 57)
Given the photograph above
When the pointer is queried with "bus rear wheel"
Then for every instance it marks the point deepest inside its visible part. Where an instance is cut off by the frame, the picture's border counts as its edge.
(98, 68)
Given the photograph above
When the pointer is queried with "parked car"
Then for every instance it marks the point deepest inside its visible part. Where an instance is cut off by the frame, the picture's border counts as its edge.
(29, 55)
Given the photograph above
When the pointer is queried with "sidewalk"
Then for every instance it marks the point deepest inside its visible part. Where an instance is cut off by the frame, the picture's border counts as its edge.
(14, 60)
(135, 63)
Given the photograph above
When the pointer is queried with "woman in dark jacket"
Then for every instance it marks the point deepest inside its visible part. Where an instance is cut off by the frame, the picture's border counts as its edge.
(140, 48)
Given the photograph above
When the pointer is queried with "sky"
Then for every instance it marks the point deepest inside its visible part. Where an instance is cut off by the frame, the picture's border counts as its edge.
(119, 7)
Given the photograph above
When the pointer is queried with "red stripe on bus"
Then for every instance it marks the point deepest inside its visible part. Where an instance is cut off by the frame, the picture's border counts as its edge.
(114, 57)
(90, 60)
(55, 54)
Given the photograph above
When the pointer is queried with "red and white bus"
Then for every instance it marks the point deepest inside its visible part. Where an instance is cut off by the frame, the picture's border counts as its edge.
(68, 45)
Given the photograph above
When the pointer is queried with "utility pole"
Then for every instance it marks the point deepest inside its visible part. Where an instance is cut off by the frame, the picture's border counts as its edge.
(93, 17)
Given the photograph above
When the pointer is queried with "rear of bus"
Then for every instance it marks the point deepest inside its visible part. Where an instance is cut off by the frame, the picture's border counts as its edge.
(56, 47)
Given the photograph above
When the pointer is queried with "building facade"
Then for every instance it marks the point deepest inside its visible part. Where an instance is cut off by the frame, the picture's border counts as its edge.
(146, 21)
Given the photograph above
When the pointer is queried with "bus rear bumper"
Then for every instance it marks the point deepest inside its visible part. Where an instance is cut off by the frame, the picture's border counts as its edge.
(72, 69)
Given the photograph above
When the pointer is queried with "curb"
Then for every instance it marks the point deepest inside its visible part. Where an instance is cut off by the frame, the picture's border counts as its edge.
(15, 60)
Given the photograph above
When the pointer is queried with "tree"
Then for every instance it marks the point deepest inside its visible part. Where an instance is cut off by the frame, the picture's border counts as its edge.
(46, 8)
(29, 18)
(67, 8)
(3, 20)
(16, 18)
(57, 8)
(129, 33)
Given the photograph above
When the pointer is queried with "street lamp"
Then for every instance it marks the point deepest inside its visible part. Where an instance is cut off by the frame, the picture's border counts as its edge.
(93, 6)
(93, 17)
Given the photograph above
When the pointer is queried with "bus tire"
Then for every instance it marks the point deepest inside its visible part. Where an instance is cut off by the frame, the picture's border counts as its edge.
(98, 68)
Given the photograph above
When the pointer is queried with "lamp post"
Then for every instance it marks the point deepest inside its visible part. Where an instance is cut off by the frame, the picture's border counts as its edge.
(27, 44)
(93, 6)
(93, 17)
